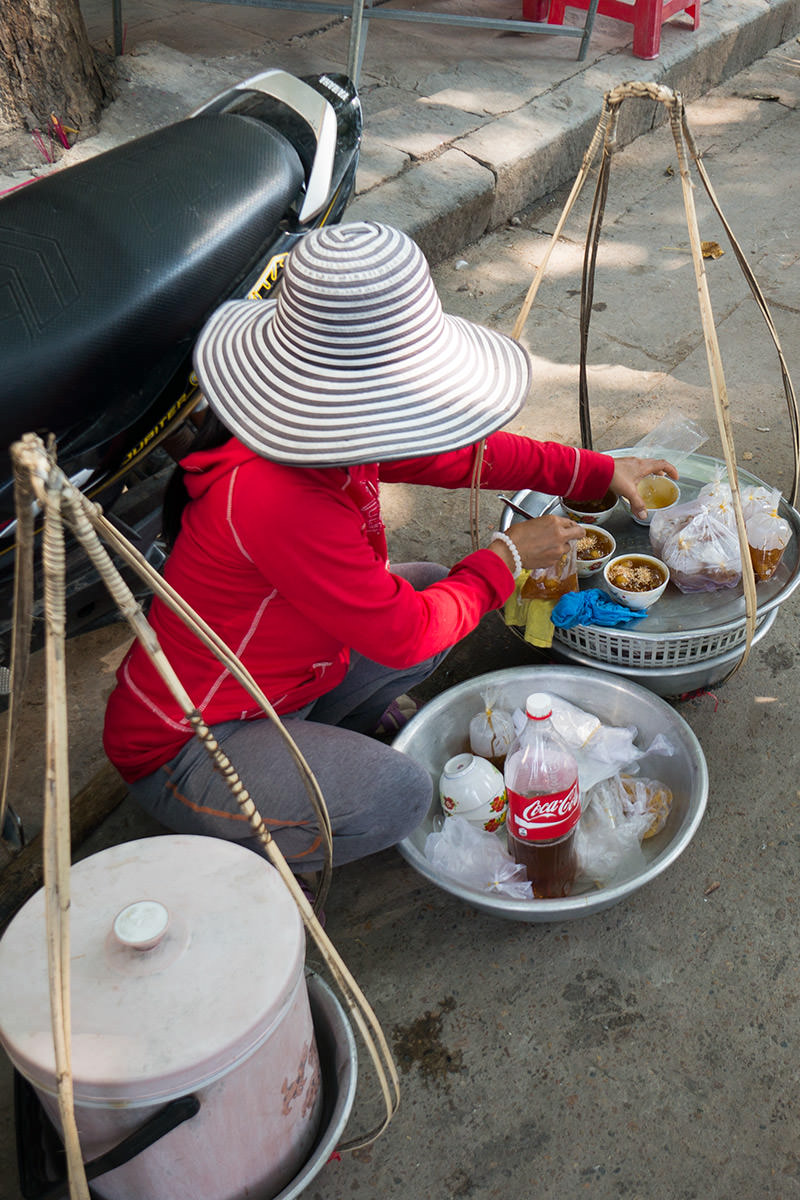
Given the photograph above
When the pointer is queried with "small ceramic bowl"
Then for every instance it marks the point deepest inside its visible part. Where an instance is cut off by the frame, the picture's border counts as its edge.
(633, 597)
(471, 787)
(593, 558)
(658, 492)
(490, 817)
(590, 512)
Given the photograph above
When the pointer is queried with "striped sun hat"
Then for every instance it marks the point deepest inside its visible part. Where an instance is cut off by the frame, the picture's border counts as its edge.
(356, 362)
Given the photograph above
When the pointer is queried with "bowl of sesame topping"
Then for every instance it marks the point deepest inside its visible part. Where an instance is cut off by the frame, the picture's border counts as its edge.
(637, 580)
(594, 549)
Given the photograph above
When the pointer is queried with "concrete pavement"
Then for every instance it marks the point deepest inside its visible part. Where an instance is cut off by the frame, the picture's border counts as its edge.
(650, 1051)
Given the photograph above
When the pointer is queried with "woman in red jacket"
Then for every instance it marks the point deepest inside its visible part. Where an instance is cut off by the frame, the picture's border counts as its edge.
(355, 376)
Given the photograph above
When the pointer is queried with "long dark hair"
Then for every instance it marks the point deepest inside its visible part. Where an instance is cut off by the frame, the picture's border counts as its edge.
(212, 433)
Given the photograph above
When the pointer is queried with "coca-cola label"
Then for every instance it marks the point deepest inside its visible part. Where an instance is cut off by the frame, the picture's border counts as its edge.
(543, 818)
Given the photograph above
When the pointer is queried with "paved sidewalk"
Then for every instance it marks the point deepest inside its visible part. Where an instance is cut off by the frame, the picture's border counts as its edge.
(463, 128)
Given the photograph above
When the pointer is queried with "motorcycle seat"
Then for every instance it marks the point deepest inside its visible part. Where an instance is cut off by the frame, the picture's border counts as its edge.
(109, 268)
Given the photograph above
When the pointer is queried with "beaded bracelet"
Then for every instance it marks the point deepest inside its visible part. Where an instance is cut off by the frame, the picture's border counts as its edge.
(503, 537)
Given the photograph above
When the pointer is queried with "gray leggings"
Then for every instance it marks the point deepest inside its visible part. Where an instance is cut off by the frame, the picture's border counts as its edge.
(375, 795)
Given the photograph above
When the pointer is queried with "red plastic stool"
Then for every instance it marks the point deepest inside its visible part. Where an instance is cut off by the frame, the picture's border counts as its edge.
(536, 10)
(646, 16)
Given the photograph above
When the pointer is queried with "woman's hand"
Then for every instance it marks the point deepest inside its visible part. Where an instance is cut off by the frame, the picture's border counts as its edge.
(629, 472)
(540, 541)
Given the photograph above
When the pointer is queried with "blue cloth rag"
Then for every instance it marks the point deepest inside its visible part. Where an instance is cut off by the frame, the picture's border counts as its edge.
(593, 607)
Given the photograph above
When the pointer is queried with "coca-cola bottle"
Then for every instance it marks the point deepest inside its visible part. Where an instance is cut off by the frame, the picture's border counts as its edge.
(544, 804)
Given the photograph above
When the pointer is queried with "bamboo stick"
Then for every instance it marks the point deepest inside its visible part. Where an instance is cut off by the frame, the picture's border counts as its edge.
(577, 186)
(718, 386)
(80, 515)
(56, 834)
(22, 617)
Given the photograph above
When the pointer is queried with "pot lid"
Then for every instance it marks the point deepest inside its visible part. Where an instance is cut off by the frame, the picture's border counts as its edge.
(185, 953)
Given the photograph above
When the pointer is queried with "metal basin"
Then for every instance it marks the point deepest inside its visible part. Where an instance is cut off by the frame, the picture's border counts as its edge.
(439, 730)
(338, 1062)
(39, 1146)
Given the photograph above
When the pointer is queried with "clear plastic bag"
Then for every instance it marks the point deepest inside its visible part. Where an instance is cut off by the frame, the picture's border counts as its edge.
(669, 522)
(549, 583)
(756, 497)
(701, 551)
(674, 438)
(768, 534)
(647, 798)
(717, 497)
(476, 859)
(609, 841)
(491, 731)
(717, 488)
(620, 813)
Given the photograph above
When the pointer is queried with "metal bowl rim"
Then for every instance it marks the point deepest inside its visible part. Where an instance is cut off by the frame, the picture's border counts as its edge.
(327, 1011)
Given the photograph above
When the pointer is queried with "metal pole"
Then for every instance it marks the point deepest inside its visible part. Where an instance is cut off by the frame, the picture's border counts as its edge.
(116, 9)
(354, 52)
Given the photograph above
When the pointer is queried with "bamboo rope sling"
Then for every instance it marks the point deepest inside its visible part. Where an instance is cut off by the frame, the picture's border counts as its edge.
(39, 480)
(605, 136)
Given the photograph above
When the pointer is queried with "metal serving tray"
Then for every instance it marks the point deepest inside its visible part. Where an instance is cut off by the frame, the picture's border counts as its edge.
(680, 629)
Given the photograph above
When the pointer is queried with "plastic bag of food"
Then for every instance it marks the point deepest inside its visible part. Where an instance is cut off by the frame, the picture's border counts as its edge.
(768, 535)
(756, 497)
(609, 840)
(549, 583)
(701, 551)
(477, 859)
(649, 799)
(717, 497)
(669, 521)
(491, 731)
(717, 488)
(722, 510)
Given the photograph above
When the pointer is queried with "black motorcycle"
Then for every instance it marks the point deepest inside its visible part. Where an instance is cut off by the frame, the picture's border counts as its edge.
(111, 267)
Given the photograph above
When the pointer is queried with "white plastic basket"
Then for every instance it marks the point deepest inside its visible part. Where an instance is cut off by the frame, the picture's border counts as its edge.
(622, 648)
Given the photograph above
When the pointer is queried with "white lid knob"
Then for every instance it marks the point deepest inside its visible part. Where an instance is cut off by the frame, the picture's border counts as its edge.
(141, 925)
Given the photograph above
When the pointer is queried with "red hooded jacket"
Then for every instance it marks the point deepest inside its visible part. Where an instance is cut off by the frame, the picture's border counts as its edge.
(289, 566)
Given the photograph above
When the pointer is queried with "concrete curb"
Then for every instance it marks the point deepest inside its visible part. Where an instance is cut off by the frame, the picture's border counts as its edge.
(482, 178)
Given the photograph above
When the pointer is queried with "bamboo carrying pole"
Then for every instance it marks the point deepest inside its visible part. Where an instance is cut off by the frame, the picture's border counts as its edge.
(604, 139)
(56, 832)
(38, 478)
